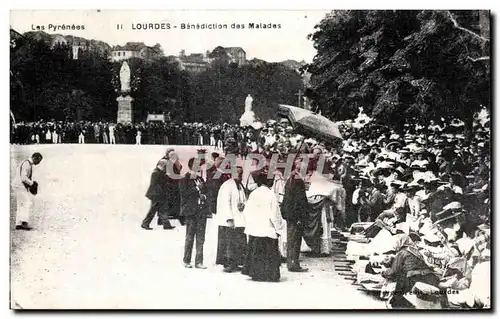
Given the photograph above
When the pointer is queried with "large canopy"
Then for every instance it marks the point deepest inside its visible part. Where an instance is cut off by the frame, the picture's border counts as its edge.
(305, 120)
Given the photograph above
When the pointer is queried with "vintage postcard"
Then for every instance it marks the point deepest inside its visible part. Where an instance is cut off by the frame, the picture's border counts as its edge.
(223, 159)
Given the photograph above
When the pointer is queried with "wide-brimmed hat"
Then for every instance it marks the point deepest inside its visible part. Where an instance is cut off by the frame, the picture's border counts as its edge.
(400, 170)
(397, 183)
(434, 180)
(450, 211)
(385, 165)
(416, 167)
(411, 187)
(431, 239)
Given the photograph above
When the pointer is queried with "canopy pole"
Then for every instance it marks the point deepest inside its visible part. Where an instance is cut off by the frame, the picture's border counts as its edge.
(300, 146)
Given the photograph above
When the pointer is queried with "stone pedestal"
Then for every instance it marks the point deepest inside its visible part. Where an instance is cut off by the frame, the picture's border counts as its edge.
(124, 109)
(247, 118)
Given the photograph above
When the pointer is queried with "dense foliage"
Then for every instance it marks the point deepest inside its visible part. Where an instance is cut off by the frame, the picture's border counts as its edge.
(402, 66)
(47, 83)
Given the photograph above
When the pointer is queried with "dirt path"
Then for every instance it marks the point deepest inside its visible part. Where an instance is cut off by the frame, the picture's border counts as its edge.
(87, 250)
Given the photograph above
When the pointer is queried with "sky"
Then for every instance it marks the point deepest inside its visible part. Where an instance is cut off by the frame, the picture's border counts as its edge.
(289, 41)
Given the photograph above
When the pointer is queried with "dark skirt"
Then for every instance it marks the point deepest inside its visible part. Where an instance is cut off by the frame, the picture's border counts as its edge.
(313, 227)
(231, 244)
(263, 259)
(220, 258)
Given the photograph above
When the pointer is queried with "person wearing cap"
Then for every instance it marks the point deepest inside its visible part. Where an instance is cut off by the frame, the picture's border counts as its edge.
(450, 220)
(231, 244)
(157, 194)
(25, 188)
(192, 189)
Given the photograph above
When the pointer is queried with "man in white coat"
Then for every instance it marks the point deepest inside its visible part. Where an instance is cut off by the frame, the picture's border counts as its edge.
(112, 139)
(21, 185)
(231, 201)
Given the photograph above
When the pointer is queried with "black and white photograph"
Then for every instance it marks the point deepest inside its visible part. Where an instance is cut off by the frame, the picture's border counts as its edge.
(250, 159)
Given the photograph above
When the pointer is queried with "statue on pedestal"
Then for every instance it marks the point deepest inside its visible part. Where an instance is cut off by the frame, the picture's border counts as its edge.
(124, 100)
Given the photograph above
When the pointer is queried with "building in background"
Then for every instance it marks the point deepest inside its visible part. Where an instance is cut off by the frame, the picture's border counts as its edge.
(194, 63)
(135, 50)
(79, 45)
(236, 55)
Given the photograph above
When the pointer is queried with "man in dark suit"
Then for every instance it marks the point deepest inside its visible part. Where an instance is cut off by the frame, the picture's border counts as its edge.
(215, 178)
(194, 209)
(174, 177)
(157, 193)
(294, 210)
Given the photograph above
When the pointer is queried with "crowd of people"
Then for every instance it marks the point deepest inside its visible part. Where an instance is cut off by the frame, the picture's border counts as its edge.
(425, 240)
(416, 203)
(164, 133)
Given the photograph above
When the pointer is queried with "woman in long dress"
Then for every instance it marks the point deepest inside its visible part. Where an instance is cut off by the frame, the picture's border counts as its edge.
(263, 226)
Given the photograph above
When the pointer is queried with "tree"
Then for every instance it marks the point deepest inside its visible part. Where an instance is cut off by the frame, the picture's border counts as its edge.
(156, 86)
(48, 83)
(158, 50)
(220, 92)
(400, 65)
(220, 58)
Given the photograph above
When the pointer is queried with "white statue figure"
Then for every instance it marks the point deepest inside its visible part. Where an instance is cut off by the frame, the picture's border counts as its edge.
(248, 103)
(248, 116)
(125, 77)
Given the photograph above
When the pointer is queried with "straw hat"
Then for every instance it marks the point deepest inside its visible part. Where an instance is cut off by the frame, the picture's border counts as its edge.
(450, 211)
